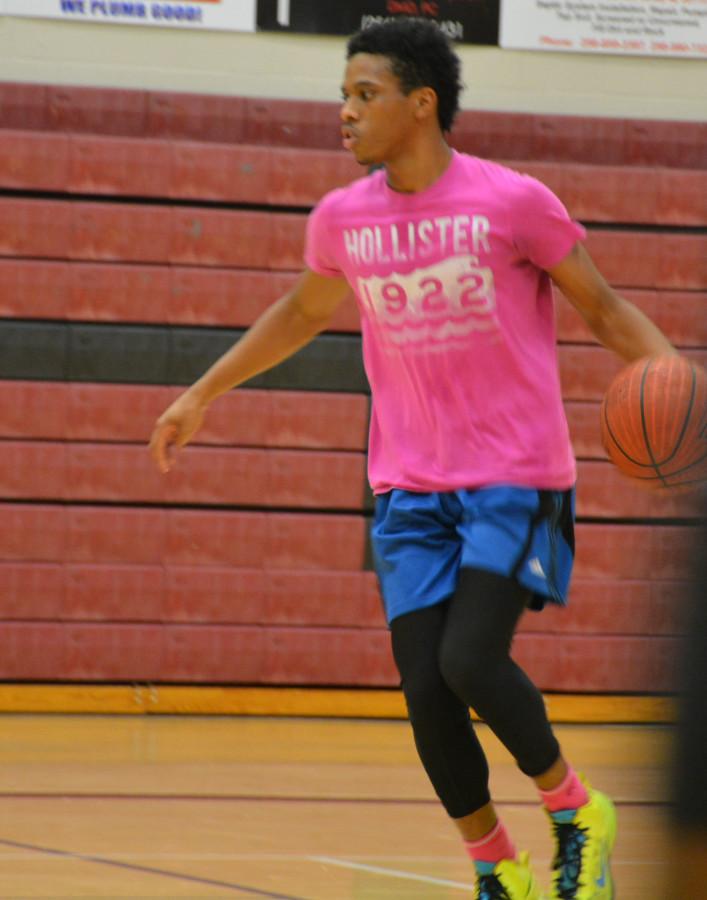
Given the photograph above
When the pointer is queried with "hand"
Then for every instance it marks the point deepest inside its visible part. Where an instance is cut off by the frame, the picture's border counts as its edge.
(175, 427)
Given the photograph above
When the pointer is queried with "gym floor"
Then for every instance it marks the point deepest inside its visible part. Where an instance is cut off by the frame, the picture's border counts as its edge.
(296, 809)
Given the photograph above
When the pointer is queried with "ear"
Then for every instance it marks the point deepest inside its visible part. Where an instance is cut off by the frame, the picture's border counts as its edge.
(425, 99)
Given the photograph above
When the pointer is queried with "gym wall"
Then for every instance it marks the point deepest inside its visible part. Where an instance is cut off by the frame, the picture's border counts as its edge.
(306, 67)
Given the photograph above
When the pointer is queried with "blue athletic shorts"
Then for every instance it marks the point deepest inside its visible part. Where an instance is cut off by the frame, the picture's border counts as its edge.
(420, 541)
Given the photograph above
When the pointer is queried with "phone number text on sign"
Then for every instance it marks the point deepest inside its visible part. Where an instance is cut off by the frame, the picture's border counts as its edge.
(650, 27)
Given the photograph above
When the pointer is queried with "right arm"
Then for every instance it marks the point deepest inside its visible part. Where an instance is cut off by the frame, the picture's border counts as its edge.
(285, 327)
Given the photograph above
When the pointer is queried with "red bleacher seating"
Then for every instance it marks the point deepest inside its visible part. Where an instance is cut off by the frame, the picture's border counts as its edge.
(248, 563)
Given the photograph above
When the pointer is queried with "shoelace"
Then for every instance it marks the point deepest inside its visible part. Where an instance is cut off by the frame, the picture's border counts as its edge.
(490, 888)
(568, 862)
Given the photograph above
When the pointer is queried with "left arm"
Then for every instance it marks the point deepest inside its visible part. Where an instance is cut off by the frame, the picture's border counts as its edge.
(617, 324)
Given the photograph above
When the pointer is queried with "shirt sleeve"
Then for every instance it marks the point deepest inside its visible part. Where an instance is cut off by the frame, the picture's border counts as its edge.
(543, 231)
(319, 242)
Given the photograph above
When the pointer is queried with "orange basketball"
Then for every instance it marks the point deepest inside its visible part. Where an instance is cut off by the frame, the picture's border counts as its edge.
(654, 422)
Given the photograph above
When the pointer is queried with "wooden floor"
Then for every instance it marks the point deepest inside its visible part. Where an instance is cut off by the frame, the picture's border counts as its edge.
(195, 807)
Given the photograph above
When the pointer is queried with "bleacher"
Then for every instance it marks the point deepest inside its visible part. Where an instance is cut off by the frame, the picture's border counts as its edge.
(140, 233)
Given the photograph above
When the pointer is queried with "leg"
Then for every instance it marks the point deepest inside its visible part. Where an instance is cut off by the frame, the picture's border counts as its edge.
(444, 736)
(417, 548)
(475, 661)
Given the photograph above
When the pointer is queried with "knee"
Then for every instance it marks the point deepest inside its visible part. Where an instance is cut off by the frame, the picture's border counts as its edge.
(429, 700)
(468, 668)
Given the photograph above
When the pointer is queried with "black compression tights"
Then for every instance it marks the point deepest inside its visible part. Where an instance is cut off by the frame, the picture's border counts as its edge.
(453, 656)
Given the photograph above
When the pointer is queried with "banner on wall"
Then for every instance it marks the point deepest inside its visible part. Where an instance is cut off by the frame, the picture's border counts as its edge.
(468, 21)
(218, 15)
(627, 27)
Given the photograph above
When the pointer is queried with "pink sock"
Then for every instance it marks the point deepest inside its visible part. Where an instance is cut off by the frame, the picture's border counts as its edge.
(571, 794)
(493, 847)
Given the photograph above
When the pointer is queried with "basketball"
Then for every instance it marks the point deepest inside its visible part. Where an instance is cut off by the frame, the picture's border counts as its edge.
(654, 421)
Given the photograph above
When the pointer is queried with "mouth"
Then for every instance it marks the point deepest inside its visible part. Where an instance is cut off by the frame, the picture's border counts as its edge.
(348, 138)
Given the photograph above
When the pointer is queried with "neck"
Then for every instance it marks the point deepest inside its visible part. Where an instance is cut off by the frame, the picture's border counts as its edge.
(420, 167)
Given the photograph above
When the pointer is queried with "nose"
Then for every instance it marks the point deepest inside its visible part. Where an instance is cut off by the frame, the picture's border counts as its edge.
(347, 113)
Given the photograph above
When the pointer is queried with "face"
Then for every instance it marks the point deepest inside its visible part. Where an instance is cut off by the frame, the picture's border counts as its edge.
(376, 116)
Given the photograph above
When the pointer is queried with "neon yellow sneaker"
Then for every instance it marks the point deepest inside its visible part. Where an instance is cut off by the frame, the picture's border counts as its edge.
(508, 880)
(585, 838)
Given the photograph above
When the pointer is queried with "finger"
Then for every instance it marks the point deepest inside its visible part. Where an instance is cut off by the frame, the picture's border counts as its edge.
(165, 451)
(163, 439)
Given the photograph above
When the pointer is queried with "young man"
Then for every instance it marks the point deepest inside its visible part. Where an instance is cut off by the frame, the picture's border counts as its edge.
(450, 258)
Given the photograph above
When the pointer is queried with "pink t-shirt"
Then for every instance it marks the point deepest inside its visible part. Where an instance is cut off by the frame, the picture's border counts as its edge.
(457, 323)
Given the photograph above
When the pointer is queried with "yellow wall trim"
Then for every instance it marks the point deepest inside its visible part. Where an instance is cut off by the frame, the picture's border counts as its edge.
(318, 702)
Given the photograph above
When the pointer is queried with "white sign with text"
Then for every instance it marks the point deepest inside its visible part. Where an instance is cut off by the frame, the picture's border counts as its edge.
(638, 27)
(219, 15)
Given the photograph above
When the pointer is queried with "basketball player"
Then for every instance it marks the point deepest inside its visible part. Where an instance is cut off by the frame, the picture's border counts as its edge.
(451, 259)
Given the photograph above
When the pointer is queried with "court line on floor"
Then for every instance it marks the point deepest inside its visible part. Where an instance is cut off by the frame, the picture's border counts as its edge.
(390, 873)
(277, 798)
(149, 870)
(299, 858)
(225, 798)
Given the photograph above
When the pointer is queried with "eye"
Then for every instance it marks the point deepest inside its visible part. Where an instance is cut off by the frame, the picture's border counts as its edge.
(367, 95)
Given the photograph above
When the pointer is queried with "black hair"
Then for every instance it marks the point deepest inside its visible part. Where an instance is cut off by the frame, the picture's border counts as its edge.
(420, 55)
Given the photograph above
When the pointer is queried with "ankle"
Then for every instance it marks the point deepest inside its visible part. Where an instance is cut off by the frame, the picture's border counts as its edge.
(569, 794)
(492, 848)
